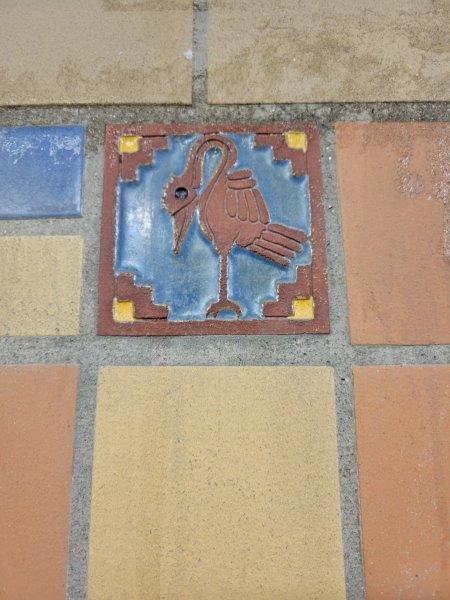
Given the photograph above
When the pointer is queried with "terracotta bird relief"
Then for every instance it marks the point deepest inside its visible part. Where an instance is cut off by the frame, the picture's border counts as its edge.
(231, 212)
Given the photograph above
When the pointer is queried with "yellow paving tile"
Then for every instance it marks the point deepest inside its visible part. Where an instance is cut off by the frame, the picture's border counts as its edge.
(95, 51)
(40, 280)
(321, 51)
(214, 482)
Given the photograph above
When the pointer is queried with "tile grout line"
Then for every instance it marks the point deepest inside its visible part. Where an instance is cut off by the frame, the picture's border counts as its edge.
(345, 419)
(77, 559)
(17, 350)
(344, 409)
(200, 55)
(323, 114)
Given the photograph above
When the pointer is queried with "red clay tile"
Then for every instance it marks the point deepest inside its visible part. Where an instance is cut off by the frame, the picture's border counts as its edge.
(403, 427)
(37, 408)
(393, 191)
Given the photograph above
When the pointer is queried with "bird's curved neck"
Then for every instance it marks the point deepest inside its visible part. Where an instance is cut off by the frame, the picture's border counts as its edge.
(198, 155)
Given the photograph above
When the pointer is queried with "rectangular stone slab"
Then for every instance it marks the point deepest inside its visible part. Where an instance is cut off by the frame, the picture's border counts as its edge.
(41, 171)
(395, 216)
(37, 413)
(403, 425)
(321, 51)
(40, 280)
(215, 482)
(95, 52)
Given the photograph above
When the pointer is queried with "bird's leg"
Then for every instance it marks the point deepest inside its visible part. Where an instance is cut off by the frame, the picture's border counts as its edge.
(223, 303)
(223, 279)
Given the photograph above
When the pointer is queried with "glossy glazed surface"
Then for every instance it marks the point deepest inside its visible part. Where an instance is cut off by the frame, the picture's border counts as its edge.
(41, 171)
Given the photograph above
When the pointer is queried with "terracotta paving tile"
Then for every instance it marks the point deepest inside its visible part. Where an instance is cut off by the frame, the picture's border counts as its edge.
(40, 279)
(238, 250)
(41, 171)
(352, 50)
(213, 482)
(95, 51)
(393, 186)
(37, 410)
(403, 425)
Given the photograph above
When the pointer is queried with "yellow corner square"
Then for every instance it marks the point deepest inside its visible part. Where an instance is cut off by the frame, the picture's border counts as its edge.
(123, 311)
(296, 140)
(303, 309)
(128, 144)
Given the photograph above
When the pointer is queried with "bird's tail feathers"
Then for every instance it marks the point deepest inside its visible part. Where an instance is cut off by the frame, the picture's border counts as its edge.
(278, 243)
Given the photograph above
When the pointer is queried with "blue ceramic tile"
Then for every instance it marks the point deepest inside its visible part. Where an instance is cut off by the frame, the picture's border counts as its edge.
(41, 171)
(187, 282)
(212, 229)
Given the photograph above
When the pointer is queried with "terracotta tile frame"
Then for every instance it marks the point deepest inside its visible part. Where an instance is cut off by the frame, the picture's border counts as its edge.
(151, 319)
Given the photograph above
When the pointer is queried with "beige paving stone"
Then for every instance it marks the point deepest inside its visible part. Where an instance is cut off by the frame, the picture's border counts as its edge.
(213, 482)
(95, 51)
(321, 51)
(40, 280)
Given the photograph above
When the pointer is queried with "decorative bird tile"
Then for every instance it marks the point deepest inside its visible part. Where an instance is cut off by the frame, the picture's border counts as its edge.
(212, 229)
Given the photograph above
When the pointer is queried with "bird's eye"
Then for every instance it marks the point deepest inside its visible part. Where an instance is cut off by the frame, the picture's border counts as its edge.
(181, 193)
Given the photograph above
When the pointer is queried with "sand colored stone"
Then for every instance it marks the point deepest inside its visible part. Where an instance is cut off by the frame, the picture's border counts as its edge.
(403, 425)
(40, 279)
(213, 482)
(37, 411)
(95, 51)
(393, 188)
(351, 50)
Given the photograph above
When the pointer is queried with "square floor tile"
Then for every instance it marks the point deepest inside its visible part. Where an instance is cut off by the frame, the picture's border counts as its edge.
(393, 188)
(37, 414)
(321, 51)
(403, 426)
(212, 229)
(95, 52)
(215, 483)
(41, 171)
(40, 279)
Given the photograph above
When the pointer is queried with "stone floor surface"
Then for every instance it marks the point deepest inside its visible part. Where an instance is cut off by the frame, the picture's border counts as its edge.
(285, 466)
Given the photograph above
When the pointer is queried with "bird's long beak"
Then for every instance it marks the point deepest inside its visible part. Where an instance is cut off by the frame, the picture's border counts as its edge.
(181, 221)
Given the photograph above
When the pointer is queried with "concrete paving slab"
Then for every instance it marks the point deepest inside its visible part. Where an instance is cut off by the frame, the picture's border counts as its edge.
(95, 51)
(347, 51)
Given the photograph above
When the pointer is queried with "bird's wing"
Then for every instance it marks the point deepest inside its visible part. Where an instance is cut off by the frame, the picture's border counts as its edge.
(243, 201)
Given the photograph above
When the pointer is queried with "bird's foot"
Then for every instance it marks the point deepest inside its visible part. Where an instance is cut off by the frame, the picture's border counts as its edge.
(220, 305)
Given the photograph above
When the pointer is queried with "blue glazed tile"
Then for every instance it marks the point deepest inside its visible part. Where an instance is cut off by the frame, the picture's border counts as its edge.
(187, 282)
(212, 230)
(41, 171)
